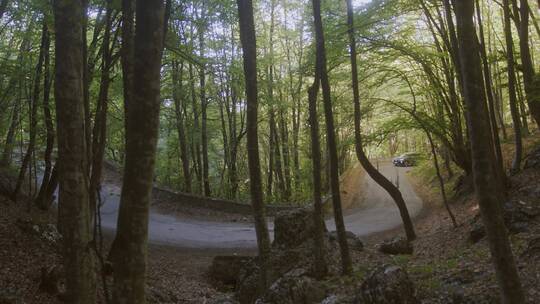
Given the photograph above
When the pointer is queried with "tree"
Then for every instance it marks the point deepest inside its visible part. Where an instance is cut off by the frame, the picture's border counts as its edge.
(320, 263)
(516, 164)
(483, 156)
(249, 48)
(346, 263)
(73, 204)
(129, 253)
(362, 157)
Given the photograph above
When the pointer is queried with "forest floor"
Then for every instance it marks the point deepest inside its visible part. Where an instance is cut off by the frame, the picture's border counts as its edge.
(446, 266)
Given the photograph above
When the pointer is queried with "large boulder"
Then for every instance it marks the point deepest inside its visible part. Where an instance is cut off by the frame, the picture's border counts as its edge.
(293, 248)
(295, 287)
(387, 285)
(397, 245)
(226, 268)
(293, 227)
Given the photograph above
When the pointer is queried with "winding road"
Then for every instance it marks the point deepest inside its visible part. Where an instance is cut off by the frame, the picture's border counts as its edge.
(375, 212)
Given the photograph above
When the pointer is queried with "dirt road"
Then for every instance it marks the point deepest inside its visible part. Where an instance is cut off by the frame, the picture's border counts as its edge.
(375, 212)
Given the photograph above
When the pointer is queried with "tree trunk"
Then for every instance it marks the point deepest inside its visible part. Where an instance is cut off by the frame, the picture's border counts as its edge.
(499, 164)
(204, 105)
(178, 100)
(380, 179)
(346, 263)
(42, 199)
(321, 268)
(247, 37)
(73, 206)
(99, 132)
(130, 254)
(483, 157)
(530, 80)
(33, 112)
(516, 163)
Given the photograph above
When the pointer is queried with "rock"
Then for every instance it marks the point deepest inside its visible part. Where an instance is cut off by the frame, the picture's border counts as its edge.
(354, 242)
(388, 284)
(397, 245)
(292, 288)
(226, 268)
(247, 283)
(293, 227)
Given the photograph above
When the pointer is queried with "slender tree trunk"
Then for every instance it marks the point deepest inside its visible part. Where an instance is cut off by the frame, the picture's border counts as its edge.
(286, 158)
(499, 165)
(483, 157)
(99, 132)
(178, 100)
(516, 163)
(204, 105)
(247, 37)
(42, 200)
(10, 136)
(522, 108)
(26, 162)
(196, 132)
(321, 268)
(73, 206)
(530, 80)
(346, 263)
(130, 255)
(380, 179)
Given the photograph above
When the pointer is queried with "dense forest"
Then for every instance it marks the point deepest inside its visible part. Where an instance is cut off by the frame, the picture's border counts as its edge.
(267, 102)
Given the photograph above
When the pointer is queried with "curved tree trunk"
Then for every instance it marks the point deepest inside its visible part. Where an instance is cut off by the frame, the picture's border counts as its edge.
(362, 157)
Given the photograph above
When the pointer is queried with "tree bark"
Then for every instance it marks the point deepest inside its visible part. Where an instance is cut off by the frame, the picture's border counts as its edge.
(530, 80)
(321, 268)
(248, 40)
(73, 206)
(204, 106)
(483, 157)
(99, 132)
(130, 255)
(516, 163)
(346, 263)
